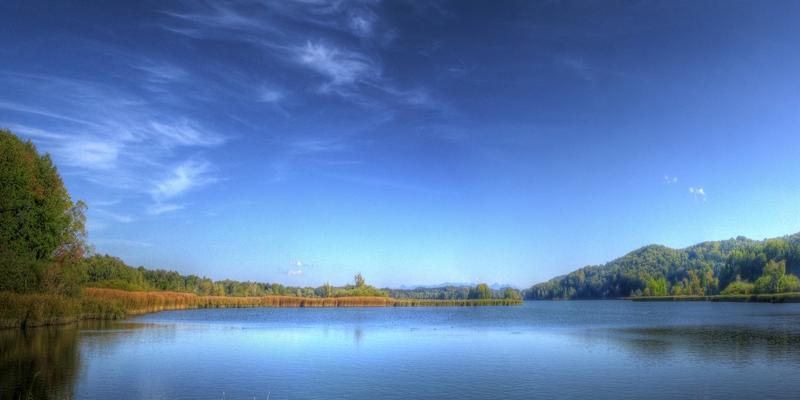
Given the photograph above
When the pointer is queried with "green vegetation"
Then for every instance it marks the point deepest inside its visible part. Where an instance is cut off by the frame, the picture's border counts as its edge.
(742, 298)
(737, 266)
(41, 230)
(105, 271)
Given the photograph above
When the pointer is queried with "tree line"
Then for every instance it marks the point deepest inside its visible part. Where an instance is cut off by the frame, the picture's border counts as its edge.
(735, 266)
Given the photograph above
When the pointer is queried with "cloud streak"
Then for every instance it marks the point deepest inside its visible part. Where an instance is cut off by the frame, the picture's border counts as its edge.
(338, 42)
(111, 137)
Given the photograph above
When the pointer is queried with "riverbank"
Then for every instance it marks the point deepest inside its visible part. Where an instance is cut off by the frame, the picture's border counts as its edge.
(756, 298)
(30, 310)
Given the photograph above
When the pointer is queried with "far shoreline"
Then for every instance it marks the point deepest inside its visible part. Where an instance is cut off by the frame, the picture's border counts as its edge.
(38, 310)
(792, 297)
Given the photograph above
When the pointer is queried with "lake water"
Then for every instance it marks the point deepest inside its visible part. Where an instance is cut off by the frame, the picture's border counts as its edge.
(547, 350)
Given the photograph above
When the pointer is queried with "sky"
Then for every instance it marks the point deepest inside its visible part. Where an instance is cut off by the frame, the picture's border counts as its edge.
(415, 142)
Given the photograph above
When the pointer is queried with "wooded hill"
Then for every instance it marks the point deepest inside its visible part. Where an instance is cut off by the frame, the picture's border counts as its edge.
(734, 266)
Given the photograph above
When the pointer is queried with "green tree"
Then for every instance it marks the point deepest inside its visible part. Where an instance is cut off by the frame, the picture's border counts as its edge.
(657, 287)
(359, 280)
(481, 291)
(510, 293)
(42, 234)
(788, 283)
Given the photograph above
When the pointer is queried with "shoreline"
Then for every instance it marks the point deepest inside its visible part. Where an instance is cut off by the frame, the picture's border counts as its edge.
(41, 309)
(733, 298)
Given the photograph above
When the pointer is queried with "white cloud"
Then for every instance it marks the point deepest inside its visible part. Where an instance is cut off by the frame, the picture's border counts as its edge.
(184, 133)
(161, 72)
(361, 23)
(294, 272)
(162, 208)
(341, 67)
(698, 192)
(90, 153)
(109, 136)
(122, 242)
(186, 176)
(669, 180)
(268, 95)
(121, 218)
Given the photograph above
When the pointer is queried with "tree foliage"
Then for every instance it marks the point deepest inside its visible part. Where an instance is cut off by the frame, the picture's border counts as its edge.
(703, 269)
(480, 291)
(42, 234)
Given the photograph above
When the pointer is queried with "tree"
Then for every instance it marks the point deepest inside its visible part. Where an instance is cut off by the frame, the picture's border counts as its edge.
(327, 290)
(359, 280)
(788, 283)
(39, 224)
(510, 293)
(768, 282)
(481, 291)
(657, 287)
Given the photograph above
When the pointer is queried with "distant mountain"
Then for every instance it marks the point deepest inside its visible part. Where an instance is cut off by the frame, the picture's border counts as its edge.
(705, 268)
(494, 286)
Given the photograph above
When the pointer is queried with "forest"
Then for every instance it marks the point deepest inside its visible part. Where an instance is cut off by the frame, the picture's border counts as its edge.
(729, 267)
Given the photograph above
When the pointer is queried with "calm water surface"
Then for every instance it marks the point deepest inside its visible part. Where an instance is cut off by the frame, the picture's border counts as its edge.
(547, 350)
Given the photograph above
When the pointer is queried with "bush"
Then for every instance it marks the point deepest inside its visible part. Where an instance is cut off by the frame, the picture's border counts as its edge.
(788, 283)
(739, 287)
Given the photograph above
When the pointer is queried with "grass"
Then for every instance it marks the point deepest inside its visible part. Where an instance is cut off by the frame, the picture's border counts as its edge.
(758, 298)
(29, 310)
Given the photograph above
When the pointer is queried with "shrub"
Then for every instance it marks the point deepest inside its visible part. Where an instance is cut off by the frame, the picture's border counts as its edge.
(738, 287)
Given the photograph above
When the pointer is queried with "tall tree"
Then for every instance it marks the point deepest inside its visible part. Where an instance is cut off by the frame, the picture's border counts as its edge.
(38, 221)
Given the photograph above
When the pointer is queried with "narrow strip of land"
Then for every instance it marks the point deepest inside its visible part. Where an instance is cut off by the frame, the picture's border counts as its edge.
(756, 298)
(30, 310)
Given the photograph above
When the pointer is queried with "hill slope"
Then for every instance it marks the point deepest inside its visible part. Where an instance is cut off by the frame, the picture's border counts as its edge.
(705, 268)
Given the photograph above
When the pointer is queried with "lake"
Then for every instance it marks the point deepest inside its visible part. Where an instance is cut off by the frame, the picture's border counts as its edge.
(548, 350)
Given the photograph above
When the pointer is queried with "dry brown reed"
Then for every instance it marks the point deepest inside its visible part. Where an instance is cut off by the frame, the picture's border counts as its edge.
(25, 310)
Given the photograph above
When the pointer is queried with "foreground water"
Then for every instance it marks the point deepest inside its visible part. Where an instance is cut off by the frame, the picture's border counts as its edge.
(562, 350)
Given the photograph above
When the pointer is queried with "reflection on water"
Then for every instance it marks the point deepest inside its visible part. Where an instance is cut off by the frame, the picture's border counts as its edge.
(38, 363)
(618, 349)
(44, 363)
(733, 345)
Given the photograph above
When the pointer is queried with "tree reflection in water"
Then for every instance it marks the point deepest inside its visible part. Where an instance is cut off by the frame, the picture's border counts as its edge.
(39, 363)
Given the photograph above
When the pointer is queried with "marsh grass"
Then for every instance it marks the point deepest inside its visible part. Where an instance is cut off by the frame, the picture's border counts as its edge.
(28, 310)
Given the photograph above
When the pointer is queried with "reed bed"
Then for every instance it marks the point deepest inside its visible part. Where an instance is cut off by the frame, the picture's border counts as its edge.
(145, 302)
(28, 310)
(36, 309)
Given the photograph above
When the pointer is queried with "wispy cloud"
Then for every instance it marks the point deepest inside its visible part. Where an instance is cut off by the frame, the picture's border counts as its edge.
(162, 72)
(186, 176)
(116, 217)
(670, 180)
(163, 208)
(184, 133)
(268, 95)
(341, 67)
(121, 242)
(338, 41)
(110, 136)
(699, 193)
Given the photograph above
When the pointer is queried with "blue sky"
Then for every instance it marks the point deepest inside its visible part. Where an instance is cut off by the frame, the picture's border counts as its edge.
(418, 143)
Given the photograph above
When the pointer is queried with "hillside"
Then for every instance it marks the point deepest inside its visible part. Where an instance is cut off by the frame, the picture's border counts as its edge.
(703, 269)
